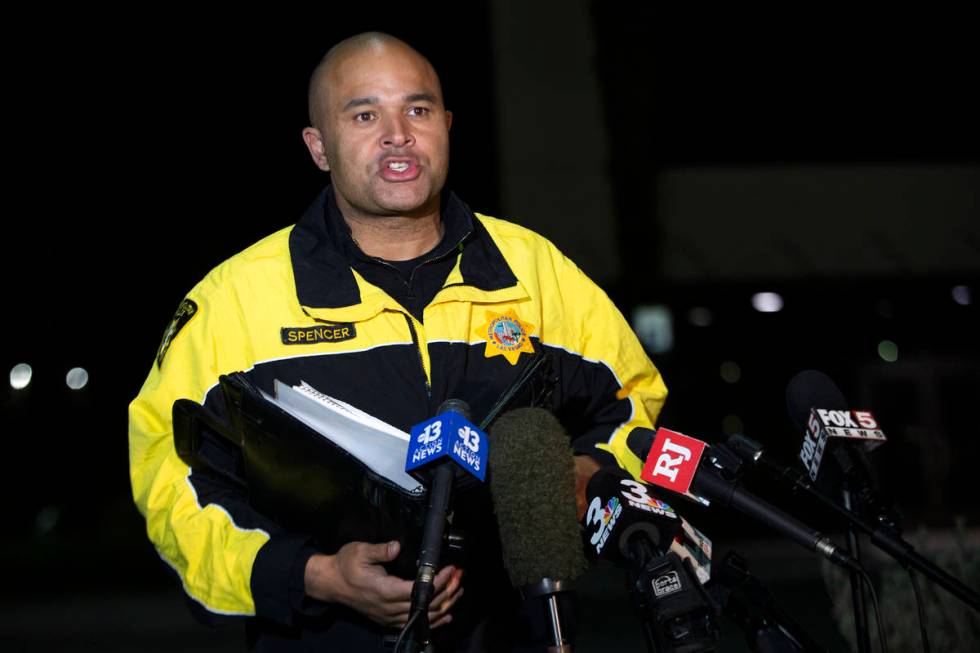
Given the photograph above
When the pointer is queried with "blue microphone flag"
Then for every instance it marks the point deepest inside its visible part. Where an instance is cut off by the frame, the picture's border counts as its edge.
(448, 434)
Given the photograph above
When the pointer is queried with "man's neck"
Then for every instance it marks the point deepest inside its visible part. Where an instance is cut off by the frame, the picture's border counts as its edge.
(395, 238)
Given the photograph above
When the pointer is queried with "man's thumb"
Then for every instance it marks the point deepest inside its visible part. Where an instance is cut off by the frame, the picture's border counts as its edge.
(384, 552)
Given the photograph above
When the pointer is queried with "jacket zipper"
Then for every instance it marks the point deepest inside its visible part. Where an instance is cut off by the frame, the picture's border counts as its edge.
(418, 350)
(409, 319)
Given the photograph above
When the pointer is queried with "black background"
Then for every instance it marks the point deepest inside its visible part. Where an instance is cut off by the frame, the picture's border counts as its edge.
(141, 150)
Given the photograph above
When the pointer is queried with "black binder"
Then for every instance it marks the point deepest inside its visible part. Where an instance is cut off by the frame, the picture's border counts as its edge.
(306, 483)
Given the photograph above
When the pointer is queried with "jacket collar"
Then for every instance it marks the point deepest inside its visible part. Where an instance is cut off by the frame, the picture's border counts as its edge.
(321, 251)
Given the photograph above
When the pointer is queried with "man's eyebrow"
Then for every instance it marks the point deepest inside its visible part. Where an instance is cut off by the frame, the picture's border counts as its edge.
(360, 102)
(371, 100)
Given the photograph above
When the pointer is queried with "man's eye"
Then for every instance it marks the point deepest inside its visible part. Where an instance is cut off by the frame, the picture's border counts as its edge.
(364, 116)
(418, 111)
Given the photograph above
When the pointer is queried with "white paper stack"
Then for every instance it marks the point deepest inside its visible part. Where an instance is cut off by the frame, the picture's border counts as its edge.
(377, 444)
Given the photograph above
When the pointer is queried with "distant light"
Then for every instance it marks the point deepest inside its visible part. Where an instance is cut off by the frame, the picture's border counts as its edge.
(730, 372)
(732, 424)
(46, 519)
(961, 295)
(700, 316)
(884, 308)
(77, 378)
(888, 351)
(20, 376)
(654, 326)
(767, 302)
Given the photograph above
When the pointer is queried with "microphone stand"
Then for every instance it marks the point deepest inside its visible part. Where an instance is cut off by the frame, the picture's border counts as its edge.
(881, 536)
(548, 589)
(857, 588)
(688, 626)
(774, 630)
(641, 553)
(440, 496)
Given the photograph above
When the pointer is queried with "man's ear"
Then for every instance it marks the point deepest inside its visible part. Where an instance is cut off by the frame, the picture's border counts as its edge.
(314, 143)
(449, 120)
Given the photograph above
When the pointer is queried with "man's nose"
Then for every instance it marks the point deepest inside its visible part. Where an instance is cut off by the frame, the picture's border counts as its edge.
(397, 133)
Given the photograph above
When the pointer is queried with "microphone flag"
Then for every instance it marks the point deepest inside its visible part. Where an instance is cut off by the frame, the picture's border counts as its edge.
(448, 434)
(672, 461)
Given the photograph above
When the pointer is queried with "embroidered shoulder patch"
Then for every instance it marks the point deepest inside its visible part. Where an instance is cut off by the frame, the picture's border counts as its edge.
(314, 334)
(507, 335)
(185, 312)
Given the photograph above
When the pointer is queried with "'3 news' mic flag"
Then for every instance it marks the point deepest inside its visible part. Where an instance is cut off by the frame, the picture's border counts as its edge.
(448, 434)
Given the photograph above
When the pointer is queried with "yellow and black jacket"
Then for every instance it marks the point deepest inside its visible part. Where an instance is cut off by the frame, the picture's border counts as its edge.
(293, 307)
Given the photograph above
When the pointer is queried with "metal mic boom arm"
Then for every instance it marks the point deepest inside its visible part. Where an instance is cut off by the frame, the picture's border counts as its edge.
(880, 536)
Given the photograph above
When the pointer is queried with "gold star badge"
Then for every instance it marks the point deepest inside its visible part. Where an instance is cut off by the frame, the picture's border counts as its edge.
(507, 335)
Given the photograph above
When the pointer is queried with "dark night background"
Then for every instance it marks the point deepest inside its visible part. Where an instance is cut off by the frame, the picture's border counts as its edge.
(834, 159)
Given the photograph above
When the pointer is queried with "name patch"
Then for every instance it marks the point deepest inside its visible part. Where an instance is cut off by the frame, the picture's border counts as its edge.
(315, 334)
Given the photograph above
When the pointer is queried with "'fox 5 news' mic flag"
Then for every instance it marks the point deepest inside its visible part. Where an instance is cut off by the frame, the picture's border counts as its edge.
(824, 423)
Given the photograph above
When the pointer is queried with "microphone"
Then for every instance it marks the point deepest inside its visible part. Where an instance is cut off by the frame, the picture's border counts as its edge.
(440, 450)
(628, 526)
(672, 462)
(532, 486)
(806, 394)
(881, 535)
(622, 510)
(818, 408)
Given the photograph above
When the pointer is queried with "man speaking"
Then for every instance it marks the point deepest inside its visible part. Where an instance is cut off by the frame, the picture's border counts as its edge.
(392, 295)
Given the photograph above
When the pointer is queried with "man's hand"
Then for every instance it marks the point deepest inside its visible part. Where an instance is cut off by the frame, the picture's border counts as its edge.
(355, 577)
(585, 468)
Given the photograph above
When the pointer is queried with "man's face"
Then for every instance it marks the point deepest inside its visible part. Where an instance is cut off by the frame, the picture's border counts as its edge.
(385, 133)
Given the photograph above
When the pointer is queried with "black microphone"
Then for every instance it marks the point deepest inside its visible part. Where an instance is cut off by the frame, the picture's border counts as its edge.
(439, 451)
(626, 524)
(673, 462)
(831, 430)
(818, 408)
(806, 394)
(881, 535)
(621, 510)
(532, 485)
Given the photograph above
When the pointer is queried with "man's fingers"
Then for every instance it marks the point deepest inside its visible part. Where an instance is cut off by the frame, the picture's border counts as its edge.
(447, 578)
(442, 577)
(397, 609)
(394, 590)
(457, 576)
(393, 595)
(452, 584)
(398, 615)
(439, 599)
(441, 622)
(438, 609)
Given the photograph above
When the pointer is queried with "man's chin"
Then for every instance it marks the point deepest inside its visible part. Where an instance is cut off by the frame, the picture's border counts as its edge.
(390, 200)
(407, 203)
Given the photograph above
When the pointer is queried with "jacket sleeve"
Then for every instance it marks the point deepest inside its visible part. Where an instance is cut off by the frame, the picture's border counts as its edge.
(231, 560)
(609, 386)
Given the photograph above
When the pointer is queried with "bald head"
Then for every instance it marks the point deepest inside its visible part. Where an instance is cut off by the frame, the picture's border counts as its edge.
(319, 87)
(380, 128)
